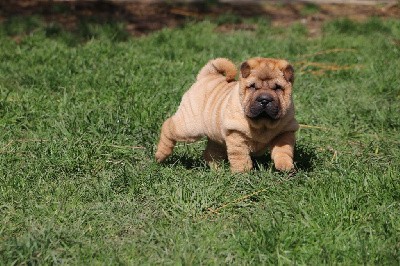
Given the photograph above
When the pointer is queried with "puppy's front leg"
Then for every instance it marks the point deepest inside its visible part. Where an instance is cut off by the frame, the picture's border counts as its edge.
(282, 148)
(238, 152)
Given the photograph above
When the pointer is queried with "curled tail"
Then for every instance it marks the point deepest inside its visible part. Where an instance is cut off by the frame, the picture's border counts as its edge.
(220, 66)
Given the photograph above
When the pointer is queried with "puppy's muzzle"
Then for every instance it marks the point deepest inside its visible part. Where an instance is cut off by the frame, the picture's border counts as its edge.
(265, 106)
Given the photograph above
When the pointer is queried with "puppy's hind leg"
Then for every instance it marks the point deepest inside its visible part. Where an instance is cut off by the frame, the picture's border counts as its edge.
(167, 141)
(173, 130)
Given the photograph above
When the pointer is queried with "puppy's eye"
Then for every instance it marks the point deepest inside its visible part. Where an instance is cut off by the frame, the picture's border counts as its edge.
(252, 86)
(278, 87)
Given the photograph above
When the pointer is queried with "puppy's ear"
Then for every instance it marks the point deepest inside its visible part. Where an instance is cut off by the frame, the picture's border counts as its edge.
(288, 73)
(245, 69)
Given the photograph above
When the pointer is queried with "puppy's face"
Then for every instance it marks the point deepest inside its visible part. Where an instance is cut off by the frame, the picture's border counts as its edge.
(266, 88)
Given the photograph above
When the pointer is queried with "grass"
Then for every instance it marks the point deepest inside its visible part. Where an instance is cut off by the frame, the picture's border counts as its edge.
(309, 9)
(80, 116)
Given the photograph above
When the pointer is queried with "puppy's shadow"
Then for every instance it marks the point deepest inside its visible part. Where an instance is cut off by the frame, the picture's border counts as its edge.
(188, 162)
(304, 158)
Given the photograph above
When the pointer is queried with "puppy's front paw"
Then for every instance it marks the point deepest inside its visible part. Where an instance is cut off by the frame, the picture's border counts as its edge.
(283, 163)
(241, 167)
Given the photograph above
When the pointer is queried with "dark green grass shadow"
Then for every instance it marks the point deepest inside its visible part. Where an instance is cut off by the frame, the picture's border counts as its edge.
(186, 161)
(304, 159)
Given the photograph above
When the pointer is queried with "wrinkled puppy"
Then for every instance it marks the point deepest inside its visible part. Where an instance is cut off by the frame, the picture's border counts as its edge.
(239, 118)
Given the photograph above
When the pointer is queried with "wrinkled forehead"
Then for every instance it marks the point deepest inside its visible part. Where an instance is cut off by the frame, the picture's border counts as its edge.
(265, 69)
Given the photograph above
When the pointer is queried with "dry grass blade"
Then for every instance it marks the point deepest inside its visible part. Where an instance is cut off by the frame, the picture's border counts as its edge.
(323, 67)
(21, 141)
(30, 140)
(240, 199)
(126, 147)
(330, 51)
(313, 127)
(243, 198)
(3, 150)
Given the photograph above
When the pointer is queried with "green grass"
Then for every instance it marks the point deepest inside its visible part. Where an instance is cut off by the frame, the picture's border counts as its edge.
(309, 9)
(80, 116)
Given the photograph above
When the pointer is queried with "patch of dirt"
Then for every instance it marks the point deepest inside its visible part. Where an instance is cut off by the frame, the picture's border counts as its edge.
(144, 17)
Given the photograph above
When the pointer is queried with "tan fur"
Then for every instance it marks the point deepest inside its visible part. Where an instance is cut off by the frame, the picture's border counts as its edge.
(225, 111)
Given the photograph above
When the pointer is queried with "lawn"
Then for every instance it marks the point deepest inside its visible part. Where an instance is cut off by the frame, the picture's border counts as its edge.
(80, 114)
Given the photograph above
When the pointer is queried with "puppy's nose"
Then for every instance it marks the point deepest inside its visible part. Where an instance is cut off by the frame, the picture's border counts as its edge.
(264, 99)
